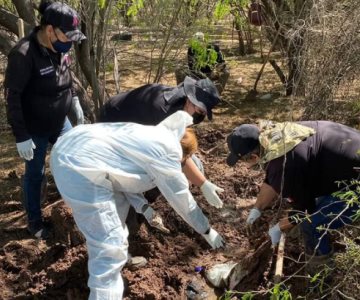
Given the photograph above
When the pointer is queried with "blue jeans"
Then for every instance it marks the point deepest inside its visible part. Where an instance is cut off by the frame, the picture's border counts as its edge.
(34, 174)
(328, 209)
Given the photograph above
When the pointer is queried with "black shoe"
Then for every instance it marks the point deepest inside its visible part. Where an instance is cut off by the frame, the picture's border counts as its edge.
(39, 231)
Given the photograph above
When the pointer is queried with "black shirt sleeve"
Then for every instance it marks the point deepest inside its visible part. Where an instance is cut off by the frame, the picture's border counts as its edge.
(17, 75)
(274, 174)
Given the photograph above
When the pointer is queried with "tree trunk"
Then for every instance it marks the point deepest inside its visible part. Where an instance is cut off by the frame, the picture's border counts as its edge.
(6, 43)
(240, 38)
(86, 55)
(159, 71)
(278, 71)
(294, 81)
(25, 11)
(8, 20)
(101, 34)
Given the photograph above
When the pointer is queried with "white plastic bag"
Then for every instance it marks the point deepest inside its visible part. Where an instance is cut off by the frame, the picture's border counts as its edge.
(218, 274)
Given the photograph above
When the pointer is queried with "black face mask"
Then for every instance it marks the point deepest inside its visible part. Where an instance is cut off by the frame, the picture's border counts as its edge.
(198, 118)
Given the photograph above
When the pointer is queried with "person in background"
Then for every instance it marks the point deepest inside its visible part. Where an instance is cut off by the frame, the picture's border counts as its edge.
(39, 95)
(304, 162)
(205, 60)
(203, 56)
(98, 167)
(152, 103)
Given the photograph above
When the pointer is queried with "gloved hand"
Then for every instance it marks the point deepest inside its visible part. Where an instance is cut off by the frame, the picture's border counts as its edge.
(254, 214)
(155, 220)
(25, 149)
(76, 108)
(275, 234)
(214, 239)
(209, 191)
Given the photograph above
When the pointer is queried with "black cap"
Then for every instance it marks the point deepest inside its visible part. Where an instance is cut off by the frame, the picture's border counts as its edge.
(202, 93)
(62, 16)
(242, 141)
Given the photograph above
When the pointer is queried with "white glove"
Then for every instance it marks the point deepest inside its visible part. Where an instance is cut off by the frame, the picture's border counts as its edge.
(76, 108)
(275, 234)
(253, 216)
(209, 191)
(214, 239)
(25, 149)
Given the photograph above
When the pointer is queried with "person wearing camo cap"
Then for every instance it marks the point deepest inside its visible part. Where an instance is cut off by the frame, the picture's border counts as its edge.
(303, 162)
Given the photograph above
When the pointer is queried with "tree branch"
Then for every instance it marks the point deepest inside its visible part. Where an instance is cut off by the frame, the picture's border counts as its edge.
(8, 20)
(6, 43)
(278, 71)
(25, 11)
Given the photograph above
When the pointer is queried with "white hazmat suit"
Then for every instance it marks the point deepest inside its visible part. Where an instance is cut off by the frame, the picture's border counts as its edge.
(98, 167)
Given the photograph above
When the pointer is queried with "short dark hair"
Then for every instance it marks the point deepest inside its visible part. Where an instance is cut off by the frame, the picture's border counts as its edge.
(256, 151)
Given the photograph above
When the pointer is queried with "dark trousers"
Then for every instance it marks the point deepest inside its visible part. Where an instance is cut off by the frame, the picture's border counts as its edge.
(34, 175)
(330, 213)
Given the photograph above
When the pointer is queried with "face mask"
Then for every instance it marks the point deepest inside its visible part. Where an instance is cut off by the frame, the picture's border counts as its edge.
(61, 47)
(198, 118)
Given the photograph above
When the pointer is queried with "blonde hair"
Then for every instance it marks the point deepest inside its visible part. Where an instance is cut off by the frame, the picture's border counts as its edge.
(189, 143)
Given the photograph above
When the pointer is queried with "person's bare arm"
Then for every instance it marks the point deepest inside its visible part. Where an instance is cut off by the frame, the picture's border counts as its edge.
(284, 224)
(265, 197)
(192, 173)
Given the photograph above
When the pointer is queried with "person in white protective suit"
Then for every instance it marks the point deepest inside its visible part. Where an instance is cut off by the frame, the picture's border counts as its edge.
(98, 167)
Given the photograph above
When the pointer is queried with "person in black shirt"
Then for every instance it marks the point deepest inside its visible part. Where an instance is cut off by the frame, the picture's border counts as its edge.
(203, 63)
(205, 60)
(38, 90)
(149, 105)
(152, 103)
(307, 174)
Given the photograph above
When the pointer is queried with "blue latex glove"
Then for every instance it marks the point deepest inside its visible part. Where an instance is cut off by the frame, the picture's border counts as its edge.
(275, 234)
(254, 214)
(76, 108)
(26, 149)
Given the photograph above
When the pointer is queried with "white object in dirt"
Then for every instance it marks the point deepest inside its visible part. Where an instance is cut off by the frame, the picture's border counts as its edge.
(227, 275)
(239, 80)
(237, 274)
(218, 274)
(266, 97)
